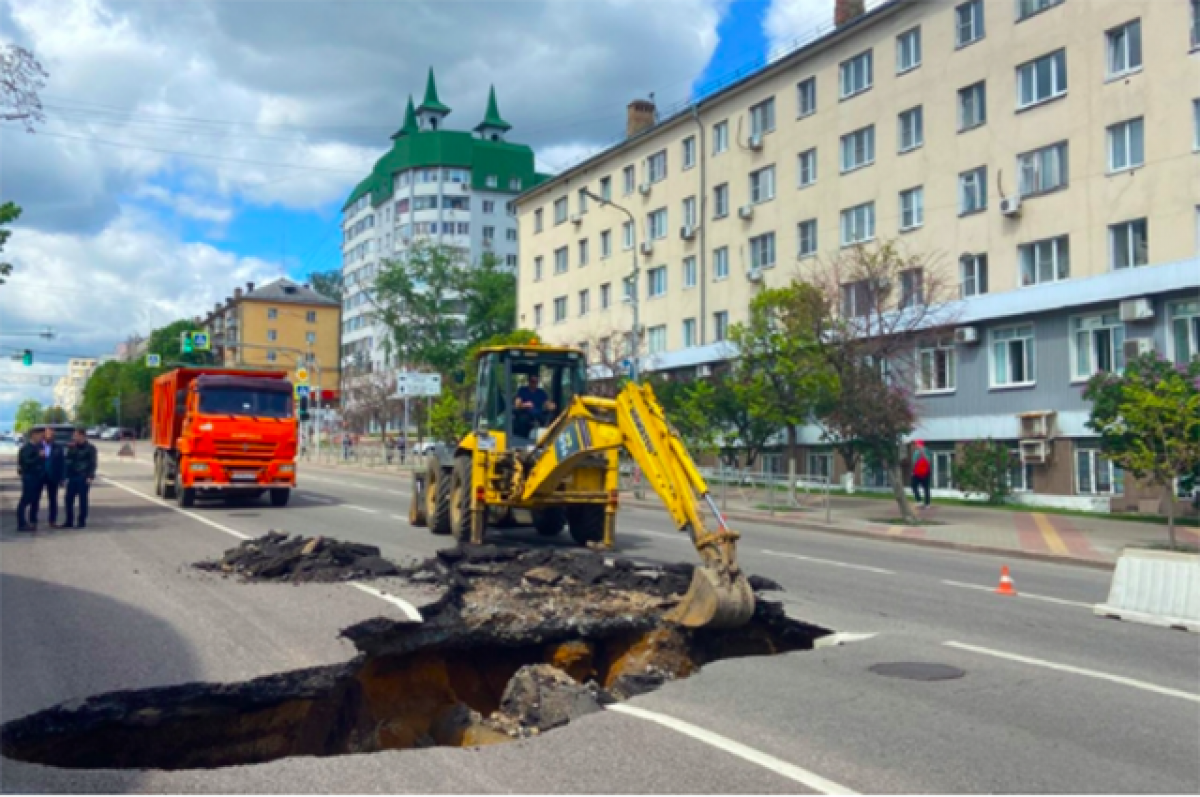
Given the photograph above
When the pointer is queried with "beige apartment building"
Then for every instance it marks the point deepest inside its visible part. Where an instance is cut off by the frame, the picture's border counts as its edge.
(68, 390)
(1044, 153)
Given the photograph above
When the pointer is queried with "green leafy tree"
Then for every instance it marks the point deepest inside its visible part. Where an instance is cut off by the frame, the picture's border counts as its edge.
(417, 296)
(327, 283)
(168, 343)
(983, 467)
(9, 213)
(54, 414)
(29, 414)
(1148, 419)
(447, 423)
(490, 299)
(714, 406)
(99, 393)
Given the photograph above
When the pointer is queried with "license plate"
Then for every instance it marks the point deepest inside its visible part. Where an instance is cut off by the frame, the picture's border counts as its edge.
(245, 477)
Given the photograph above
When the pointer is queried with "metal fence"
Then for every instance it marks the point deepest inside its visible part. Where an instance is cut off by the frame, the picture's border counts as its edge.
(368, 455)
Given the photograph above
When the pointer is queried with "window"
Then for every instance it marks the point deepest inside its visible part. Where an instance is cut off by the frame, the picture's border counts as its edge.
(721, 263)
(1185, 331)
(858, 148)
(689, 272)
(1129, 244)
(973, 272)
(657, 339)
(912, 288)
(912, 129)
(762, 118)
(537, 269)
(806, 233)
(721, 201)
(1195, 23)
(656, 224)
(272, 356)
(857, 299)
(272, 313)
(1045, 261)
(972, 191)
(1012, 353)
(908, 50)
(689, 332)
(606, 188)
(272, 334)
(585, 302)
(937, 368)
(656, 281)
(806, 97)
(689, 152)
(582, 200)
(629, 179)
(720, 326)
(1095, 475)
(762, 185)
(1027, 8)
(689, 212)
(943, 469)
(1042, 79)
(537, 220)
(605, 295)
(762, 251)
(605, 244)
(1126, 145)
(856, 74)
(560, 260)
(1020, 475)
(912, 208)
(311, 316)
(510, 261)
(489, 233)
(806, 169)
(537, 315)
(858, 224)
(1196, 123)
(656, 166)
(510, 235)
(560, 309)
(820, 466)
(560, 210)
(1097, 343)
(972, 106)
(968, 19)
(1125, 49)
(627, 235)
(583, 253)
(489, 206)
(1043, 170)
(720, 137)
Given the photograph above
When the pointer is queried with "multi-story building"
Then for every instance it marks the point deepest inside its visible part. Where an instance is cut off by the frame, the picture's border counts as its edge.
(279, 325)
(1047, 152)
(68, 390)
(450, 187)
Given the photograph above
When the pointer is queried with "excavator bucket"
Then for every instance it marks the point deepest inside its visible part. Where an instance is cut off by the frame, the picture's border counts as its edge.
(714, 600)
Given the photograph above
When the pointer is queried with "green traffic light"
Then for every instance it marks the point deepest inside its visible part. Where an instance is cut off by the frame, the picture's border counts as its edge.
(186, 343)
(27, 358)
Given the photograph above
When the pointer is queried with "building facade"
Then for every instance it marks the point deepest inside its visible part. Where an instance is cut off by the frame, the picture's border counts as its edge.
(68, 390)
(1046, 153)
(450, 187)
(279, 325)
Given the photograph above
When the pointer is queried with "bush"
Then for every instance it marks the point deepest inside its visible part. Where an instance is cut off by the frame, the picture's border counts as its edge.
(982, 468)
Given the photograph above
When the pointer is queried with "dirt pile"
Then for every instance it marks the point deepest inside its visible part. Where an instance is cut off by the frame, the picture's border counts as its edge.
(279, 556)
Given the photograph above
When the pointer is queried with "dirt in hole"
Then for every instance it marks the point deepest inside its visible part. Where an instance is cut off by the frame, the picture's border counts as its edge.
(521, 642)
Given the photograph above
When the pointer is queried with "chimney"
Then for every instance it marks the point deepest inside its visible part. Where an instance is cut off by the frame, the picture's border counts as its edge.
(237, 293)
(639, 117)
(249, 287)
(846, 10)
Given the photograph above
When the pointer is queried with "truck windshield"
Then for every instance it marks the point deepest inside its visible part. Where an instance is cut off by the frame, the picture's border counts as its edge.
(241, 401)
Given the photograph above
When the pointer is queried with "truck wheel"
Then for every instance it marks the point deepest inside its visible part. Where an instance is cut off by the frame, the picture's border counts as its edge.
(280, 496)
(549, 522)
(169, 487)
(437, 498)
(460, 500)
(158, 477)
(416, 504)
(186, 495)
(586, 523)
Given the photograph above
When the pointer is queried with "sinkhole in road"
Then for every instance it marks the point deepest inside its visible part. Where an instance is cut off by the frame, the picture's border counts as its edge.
(519, 643)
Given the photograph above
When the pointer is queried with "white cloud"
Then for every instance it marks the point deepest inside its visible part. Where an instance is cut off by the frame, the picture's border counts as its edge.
(186, 205)
(789, 20)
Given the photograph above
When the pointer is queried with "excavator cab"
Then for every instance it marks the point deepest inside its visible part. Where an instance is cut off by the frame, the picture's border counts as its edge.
(509, 380)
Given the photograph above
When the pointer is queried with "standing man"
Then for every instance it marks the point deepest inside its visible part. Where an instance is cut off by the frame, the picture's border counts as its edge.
(920, 472)
(33, 476)
(56, 470)
(81, 471)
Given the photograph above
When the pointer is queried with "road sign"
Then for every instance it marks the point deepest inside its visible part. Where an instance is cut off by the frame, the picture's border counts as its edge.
(410, 384)
(153, 360)
(201, 341)
(302, 374)
(302, 391)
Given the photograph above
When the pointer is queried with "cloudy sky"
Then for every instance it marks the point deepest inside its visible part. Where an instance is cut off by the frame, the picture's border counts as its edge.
(192, 145)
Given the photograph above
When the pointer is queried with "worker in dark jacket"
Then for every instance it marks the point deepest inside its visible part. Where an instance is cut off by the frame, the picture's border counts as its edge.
(32, 468)
(81, 471)
(56, 470)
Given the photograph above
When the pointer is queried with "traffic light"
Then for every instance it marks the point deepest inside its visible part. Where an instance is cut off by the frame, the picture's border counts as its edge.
(186, 343)
(27, 357)
(304, 408)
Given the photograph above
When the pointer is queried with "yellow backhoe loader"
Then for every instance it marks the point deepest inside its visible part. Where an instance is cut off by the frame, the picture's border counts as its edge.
(541, 446)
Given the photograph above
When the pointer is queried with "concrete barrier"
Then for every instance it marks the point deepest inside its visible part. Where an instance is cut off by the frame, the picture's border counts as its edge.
(1155, 587)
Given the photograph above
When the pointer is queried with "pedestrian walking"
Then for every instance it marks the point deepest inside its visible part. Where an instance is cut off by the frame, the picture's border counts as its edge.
(346, 446)
(32, 469)
(400, 446)
(55, 457)
(920, 472)
(81, 471)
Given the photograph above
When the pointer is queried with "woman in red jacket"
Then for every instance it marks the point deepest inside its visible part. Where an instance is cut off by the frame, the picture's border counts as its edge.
(920, 472)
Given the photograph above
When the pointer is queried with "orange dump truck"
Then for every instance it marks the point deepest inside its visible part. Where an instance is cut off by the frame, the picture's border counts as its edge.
(221, 433)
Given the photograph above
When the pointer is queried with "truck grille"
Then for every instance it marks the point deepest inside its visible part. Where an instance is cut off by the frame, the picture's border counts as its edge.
(246, 450)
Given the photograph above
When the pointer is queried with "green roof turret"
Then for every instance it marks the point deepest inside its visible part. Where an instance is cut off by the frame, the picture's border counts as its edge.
(409, 127)
(431, 101)
(492, 119)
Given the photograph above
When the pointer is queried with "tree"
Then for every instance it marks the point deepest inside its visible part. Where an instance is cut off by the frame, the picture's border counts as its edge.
(369, 400)
(21, 78)
(713, 406)
(168, 343)
(327, 283)
(1148, 419)
(446, 422)
(9, 213)
(54, 414)
(490, 296)
(29, 414)
(417, 297)
(983, 467)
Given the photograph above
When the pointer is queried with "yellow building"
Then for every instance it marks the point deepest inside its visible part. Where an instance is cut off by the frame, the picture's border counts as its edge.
(279, 325)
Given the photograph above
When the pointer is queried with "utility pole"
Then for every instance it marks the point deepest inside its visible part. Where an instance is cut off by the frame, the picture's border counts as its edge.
(634, 278)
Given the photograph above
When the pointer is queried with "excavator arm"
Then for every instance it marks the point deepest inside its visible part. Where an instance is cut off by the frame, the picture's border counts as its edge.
(719, 595)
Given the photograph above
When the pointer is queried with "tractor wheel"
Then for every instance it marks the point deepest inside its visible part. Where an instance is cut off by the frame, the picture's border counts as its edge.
(437, 498)
(416, 504)
(586, 523)
(460, 500)
(549, 522)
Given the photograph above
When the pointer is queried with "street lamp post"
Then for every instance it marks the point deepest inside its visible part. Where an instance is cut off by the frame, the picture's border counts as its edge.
(634, 275)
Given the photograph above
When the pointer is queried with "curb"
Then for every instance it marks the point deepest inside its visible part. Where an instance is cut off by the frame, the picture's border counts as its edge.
(945, 545)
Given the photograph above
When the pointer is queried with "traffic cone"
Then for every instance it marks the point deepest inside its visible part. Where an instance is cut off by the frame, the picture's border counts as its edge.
(1006, 583)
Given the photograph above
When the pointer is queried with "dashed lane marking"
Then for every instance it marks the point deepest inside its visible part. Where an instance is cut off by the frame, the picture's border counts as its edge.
(399, 517)
(361, 509)
(1046, 598)
(832, 562)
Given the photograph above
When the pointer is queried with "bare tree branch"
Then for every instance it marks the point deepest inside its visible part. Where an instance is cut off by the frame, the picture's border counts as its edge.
(21, 78)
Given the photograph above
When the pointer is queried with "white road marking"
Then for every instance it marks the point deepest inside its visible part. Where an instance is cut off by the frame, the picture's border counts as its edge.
(361, 509)
(665, 535)
(764, 760)
(180, 510)
(409, 610)
(1103, 676)
(1045, 598)
(832, 562)
(399, 517)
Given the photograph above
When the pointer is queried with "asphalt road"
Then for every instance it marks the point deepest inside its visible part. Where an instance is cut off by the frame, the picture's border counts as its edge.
(1052, 698)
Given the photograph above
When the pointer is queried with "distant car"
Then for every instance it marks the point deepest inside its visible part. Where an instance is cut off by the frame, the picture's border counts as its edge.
(94, 433)
(110, 434)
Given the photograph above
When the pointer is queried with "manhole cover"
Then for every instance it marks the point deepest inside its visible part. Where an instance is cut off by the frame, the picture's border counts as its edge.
(917, 670)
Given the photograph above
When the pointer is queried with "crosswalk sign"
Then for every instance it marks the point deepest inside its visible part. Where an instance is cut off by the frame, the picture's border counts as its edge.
(200, 341)
(302, 391)
(153, 360)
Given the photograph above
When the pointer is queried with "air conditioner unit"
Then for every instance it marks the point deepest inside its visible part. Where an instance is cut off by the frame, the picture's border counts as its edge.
(576, 219)
(1034, 452)
(1136, 310)
(687, 232)
(703, 370)
(1136, 347)
(746, 212)
(966, 335)
(644, 188)
(754, 275)
(755, 142)
(647, 248)
(1038, 425)
(1010, 205)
